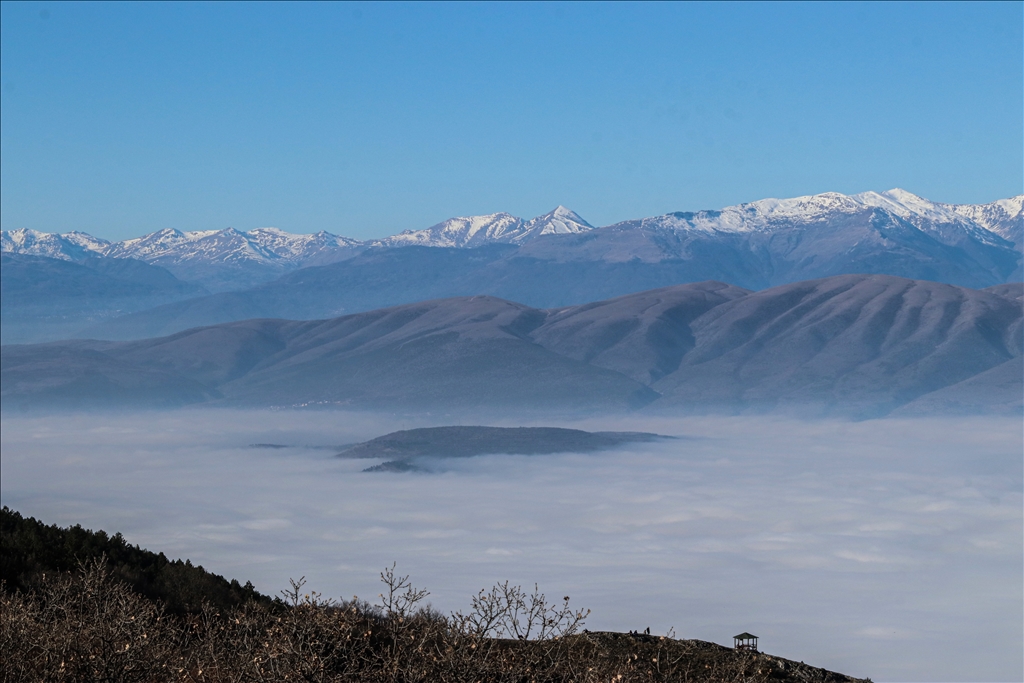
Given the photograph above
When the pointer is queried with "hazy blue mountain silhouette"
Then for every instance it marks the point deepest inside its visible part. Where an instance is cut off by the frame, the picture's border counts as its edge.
(856, 344)
(49, 297)
(564, 270)
(553, 260)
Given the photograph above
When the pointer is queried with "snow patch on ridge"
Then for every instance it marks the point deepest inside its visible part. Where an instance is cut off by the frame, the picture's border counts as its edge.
(68, 246)
(989, 223)
(994, 223)
(473, 231)
(228, 245)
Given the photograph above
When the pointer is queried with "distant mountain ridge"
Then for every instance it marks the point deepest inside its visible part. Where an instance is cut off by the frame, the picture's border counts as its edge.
(230, 259)
(863, 345)
(1000, 217)
(499, 227)
(553, 260)
(56, 297)
(996, 223)
(68, 246)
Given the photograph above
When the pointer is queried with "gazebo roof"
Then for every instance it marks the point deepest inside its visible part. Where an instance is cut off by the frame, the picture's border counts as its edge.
(745, 636)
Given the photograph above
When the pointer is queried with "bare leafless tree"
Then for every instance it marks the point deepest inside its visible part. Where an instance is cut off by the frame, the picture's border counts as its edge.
(88, 627)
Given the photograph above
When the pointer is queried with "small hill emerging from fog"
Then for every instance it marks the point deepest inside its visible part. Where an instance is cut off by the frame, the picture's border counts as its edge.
(403, 447)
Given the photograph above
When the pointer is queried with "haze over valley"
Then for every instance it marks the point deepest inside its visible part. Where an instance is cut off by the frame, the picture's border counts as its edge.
(603, 302)
(799, 418)
(884, 548)
(681, 457)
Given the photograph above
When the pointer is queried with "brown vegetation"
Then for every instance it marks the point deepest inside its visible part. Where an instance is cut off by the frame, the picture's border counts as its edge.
(89, 626)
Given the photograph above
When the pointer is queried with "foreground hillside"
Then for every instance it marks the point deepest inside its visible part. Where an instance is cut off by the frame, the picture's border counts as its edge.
(30, 549)
(91, 626)
(854, 344)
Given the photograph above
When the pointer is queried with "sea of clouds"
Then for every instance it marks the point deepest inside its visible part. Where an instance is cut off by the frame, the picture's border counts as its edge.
(885, 548)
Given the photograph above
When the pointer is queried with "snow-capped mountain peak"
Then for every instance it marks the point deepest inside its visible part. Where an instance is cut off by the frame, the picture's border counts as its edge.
(461, 231)
(559, 221)
(473, 231)
(1004, 217)
(261, 245)
(906, 205)
(229, 258)
(1013, 206)
(949, 223)
(69, 246)
(170, 245)
(760, 215)
(299, 247)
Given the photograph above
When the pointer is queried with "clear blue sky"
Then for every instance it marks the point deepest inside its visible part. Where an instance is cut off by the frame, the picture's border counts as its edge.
(367, 119)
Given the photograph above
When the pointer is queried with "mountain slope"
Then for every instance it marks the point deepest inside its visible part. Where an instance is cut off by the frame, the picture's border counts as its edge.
(868, 343)
(376, 278)
(49, 298)
(763, 244)
(861, 345)
(462, 352)
(69, 246)
(571, 269)
(643, 336)
(30, 549)
(559, 259)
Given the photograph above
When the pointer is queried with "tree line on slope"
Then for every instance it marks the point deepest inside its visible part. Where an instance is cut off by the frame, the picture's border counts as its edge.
(29, 549)
(101, 622)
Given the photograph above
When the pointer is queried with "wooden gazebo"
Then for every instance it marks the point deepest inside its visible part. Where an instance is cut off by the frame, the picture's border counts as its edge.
(745, 641)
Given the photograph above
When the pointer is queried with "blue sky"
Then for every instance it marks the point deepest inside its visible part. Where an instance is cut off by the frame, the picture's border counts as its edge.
(367, 119)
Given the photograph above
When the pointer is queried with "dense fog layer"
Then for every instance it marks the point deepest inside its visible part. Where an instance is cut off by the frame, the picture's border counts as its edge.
(890, 549)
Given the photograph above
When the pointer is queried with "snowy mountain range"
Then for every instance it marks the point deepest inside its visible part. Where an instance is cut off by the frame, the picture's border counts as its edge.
(230, 259)
(218, 259)
(1003, 218)
(553, 260)
(273, 251)
(475, 231)
(68, 246)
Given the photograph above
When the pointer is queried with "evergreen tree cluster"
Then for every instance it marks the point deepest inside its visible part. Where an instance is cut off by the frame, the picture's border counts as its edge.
(79, 606)
(29, 549)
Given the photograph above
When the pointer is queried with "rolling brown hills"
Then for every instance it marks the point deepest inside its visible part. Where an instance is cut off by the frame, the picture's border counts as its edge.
(853, 344)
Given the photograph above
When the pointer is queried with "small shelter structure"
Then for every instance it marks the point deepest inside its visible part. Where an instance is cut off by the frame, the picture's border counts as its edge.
(745, 641)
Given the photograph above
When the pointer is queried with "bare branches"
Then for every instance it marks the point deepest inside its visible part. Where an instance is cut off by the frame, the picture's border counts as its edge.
(399, 598)
(83, 627)
(507, 611)
(87, 627)
(294, 596)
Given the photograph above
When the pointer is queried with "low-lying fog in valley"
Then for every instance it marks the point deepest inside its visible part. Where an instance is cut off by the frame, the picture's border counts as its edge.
(887, 548)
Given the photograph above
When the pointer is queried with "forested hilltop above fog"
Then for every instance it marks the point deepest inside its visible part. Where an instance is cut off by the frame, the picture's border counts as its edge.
(98, 620)
(859, 345)
(553, 260)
